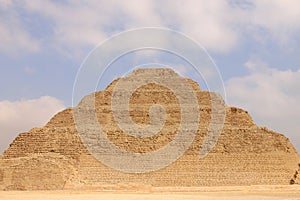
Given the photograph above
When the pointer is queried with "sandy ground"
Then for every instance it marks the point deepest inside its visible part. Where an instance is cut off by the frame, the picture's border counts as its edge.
(237, 192)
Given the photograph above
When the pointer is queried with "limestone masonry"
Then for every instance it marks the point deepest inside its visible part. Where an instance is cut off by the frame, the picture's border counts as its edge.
(54, 157)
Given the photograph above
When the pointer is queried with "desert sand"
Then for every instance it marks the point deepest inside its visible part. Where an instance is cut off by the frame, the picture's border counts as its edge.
(228, 192)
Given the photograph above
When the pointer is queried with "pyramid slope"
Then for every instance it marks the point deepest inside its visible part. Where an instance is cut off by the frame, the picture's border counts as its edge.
(54, 157)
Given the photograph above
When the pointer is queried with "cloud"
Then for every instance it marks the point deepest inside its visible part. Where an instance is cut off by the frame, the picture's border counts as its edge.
(267, 21)
(271, 96)
(21, 116)
(208, 22)
(14, 38)
(219, 26)
(281, 18)
(81, 24)
(5, 3)
(95, 20)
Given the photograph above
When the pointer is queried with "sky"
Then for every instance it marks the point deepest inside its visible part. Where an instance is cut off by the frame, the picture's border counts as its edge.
(254, 44)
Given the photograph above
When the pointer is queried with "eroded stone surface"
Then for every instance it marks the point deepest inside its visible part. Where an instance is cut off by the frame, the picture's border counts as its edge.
(53, 157)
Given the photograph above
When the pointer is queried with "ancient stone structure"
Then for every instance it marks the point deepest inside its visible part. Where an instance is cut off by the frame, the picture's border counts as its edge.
(54, 157)
(296, 177)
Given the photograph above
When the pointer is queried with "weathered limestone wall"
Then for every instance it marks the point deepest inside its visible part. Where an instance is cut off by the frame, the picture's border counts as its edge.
(53, 157)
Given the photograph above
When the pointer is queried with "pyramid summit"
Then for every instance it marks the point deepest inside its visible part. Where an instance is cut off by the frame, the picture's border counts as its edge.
(149, 128)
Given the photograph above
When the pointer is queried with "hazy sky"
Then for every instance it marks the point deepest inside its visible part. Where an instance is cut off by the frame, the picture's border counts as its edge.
(255, 44)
